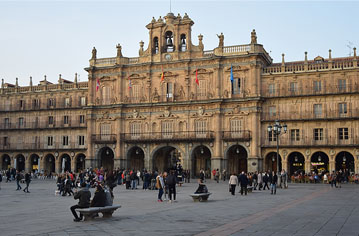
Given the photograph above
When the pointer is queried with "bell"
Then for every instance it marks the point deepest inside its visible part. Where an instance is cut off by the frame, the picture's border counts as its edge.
(169, 42)
(183, 41)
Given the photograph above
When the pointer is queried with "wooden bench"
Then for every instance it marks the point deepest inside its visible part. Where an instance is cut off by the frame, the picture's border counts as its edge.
(90, 213)
(200, 197)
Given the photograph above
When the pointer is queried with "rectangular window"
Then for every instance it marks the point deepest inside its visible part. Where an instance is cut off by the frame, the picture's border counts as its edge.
(7, 123)
(201, 128)
(65, 140)
(66, 120)
(318, 110)
(7, 105)
(135, 90)
(318, 134)
(50, 140)
(67, 102)
(343, 109)
(317, 86)
(343, 133)
(342, 86)
(21, 122)
(51, 120)
(6, 141)
(202, 89)
(236, 128)
(22, 104)
(294, 135)
(51, 102)
(135, 130)
(236, 86)
(271, 89)
(167, 129)
(82, 119)
(36, 103)
(272, 111)
(293, 87)
(106, 95)
(83, 101)
(105, 131)
(272, 137)
(169, 91)
(81, 140)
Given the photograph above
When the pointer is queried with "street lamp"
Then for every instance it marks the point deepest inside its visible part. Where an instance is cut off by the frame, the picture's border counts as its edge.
(277, 130)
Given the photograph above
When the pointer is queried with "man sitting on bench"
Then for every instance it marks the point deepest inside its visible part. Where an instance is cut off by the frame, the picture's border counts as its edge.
(84, 196)
(202, 188)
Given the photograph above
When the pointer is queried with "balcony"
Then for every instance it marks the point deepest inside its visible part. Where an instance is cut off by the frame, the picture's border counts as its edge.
(163, 137)
(40, 146)
(41, 125)
(311, 91)
(103, 138)
(298, 115)
(41, 106)
(310, 142)
(240, 136)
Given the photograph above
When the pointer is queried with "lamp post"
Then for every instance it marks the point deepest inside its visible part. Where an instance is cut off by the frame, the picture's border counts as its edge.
(277, 130)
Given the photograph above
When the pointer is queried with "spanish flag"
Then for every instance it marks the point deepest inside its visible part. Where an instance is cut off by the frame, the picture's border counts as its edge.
(97, 84)
(162, 75)
(197, 81)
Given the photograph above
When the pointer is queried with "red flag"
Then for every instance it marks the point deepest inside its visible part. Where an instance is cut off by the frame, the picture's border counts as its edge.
(129, 84)
(97, 85)
(197, 81)
(162, 75)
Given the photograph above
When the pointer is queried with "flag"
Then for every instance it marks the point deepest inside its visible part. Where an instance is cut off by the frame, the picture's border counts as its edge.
(197, 81)
(129, 84)
(97, 84)
(162, 75)
(231, 75)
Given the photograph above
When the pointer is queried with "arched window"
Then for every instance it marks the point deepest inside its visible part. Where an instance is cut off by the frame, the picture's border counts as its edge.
(155, 45)
(169, 41)
(183, 46)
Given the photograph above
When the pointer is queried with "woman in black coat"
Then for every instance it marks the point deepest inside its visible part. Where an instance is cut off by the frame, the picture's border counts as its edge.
(99, 199)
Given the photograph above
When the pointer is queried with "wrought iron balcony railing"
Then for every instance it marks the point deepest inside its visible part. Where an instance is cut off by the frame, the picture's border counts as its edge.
(180, 136)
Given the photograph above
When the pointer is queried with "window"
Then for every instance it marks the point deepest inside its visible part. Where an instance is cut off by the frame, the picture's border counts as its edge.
(105, 131)
(236, 128)
(135, 129)
(22, 104)
(66, 120)
(272, 111)
(342, 85)
(318, 134)
(317, 86)
(36, 103)
(21, 122)
(317, 110)
(236, 86)
(293, 87)
(51, 120)
(7, 123)
(183, 43)
(81, 140)
(7, 105)
(67, 102)
(343, 109)
(5, 141)
(271, 136)
(50, 140)
(65, 140)
(294, 135)
(156, 47)
(202, 89)
(271, 89)
(83, 101)
(136, 93)
(169, 91)
(167, 129)
(82, 119)
(201, 128)
(106, 95)
(343, 133)
(51, 102)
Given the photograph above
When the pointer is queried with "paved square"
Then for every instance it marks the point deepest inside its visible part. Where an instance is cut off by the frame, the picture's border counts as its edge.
(303, 209)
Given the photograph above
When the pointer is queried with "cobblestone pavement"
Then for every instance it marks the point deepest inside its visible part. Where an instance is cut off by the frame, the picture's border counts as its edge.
(303, 209)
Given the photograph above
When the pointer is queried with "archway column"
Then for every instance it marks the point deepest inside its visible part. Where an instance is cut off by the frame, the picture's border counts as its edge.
(356, 164)
(307, 164)
(285, 165)
(28, 164)
(331, 164)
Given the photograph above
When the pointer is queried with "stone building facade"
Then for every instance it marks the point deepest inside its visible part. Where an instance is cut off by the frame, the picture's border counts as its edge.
(176, 103)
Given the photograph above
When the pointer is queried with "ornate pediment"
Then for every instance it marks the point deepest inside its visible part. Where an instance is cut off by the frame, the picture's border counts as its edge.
(167, 114)
(106, 78)
(135, 76)
(201, 113)
(105, 116)
(135, 116)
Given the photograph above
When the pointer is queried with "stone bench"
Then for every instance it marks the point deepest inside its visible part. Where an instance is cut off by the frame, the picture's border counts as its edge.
(90, 213)
(200, 197)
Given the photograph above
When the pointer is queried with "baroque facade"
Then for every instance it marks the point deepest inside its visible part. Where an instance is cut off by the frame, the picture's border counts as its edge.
(176, 103)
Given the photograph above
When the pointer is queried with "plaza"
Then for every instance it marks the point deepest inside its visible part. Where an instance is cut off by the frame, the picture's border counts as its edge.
(302, 209)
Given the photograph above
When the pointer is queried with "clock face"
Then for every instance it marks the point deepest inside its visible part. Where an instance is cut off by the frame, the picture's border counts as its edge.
(168, 57)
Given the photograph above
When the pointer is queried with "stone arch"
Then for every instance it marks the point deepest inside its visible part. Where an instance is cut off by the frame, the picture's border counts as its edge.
(237, 158)
(49, 164)
(201, 156)
(106, 158)
(65, 163)
(345, 161)
(271, 162)
(20, 162)
(319, 162)
(33, 162)
(80, 160)
(296, 163)
(5, 162)
(136, 158)
(165, 157)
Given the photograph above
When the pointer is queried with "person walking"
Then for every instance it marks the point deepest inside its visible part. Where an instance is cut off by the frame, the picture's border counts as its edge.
(18, 178)
(171, 183)
(265, 181)
(27, 182)
(333, 181)
(217, 175)
(243, 179)
(201, 175)
(255, 180)
(160, 185)
(260, 181)
(224, 173)
(233, 181)
(84, 196)
(273, 184)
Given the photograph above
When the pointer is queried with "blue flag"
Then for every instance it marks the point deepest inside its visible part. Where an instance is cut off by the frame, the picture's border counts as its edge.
(231, 75)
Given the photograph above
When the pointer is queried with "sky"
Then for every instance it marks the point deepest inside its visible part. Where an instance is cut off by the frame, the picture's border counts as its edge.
(49, 38)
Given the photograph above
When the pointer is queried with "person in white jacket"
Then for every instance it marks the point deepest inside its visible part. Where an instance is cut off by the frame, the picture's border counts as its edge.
(233, 182)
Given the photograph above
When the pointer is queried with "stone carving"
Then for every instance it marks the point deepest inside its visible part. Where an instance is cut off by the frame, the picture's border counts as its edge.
(119, 50)
(167, 112)
(200, 111)
(94, 53)
(253, 37)
(135, 113)
(155, 96)
(200, 44)
(140, 52)
(221, 40)
(181, 92)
